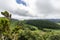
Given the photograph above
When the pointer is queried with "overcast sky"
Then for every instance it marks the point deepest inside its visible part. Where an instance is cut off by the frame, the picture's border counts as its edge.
(31, 9)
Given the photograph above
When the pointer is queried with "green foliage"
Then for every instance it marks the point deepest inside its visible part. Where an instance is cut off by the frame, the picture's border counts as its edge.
(29, 35)
(4, 24)
(43, 24)
(4, 27)
(54, 37)
(6, 14)
(26, 26)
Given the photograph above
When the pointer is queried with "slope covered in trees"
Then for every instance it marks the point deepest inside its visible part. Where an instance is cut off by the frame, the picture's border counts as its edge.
(43, 24)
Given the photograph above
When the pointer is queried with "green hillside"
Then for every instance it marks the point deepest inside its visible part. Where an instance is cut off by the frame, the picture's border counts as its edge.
(43, 24)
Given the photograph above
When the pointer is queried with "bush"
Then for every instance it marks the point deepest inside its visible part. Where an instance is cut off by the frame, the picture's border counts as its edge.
(4, 24)
(29, 35)
(54, 37)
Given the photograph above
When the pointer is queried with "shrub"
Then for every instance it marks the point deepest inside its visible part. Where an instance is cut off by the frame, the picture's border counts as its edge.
(29, 35)
(54, 37)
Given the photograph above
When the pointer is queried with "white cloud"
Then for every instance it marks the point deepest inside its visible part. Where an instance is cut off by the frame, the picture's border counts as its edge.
(35, 9)
(49, 8)
(55, 3)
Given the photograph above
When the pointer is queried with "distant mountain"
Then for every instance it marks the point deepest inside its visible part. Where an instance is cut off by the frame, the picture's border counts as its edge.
(53, 20)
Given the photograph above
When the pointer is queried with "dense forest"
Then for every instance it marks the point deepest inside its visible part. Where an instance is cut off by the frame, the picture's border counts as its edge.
(12, 29)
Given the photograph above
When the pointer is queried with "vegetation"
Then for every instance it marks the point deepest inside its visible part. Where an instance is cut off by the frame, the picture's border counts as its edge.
(43, 24)
(11, 29)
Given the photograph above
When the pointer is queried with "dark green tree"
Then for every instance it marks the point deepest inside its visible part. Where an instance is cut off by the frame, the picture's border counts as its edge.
(6, 14)
(4, 27)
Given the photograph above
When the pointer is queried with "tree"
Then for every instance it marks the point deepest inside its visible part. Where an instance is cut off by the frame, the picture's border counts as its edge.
(6, 14)
(4, 27)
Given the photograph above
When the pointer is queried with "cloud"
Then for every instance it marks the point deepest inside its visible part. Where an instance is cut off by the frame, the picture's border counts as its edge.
(49, 8)
(36, 9)
(44, 6)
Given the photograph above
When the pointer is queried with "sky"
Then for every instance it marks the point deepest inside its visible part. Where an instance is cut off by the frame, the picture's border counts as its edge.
(31, 9)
